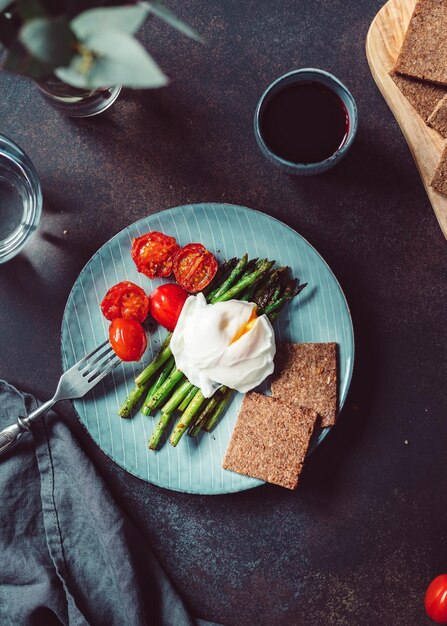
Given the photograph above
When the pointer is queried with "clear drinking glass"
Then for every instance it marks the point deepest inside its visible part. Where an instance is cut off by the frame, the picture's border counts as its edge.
(20, 199)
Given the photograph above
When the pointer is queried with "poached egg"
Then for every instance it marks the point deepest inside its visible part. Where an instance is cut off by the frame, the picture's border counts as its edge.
(223, 344)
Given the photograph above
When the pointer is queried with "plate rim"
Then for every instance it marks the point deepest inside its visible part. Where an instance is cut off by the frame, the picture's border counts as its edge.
(325, 431)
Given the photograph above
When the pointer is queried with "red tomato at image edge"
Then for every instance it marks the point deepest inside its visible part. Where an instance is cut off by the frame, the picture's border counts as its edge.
(166, 303)
(128, 339)
(125, 300)
(436, 599)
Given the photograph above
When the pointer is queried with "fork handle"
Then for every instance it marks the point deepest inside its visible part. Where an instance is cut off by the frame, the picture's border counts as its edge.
(10, 435)
(41, 410)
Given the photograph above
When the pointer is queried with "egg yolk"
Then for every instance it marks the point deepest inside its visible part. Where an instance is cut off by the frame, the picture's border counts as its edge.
(246, 327)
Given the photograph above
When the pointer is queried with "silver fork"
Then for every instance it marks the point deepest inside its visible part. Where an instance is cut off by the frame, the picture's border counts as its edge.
(74, 383)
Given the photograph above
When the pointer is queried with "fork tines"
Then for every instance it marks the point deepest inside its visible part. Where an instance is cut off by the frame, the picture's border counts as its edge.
(98, 363)
(102, 367)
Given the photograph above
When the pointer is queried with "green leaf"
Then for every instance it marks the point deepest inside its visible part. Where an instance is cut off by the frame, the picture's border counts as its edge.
(166, 15)
(127, 19)
(118, 59)
(49, 40)
(4, 4)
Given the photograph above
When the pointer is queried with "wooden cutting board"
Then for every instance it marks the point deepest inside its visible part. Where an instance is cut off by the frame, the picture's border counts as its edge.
(383, 43)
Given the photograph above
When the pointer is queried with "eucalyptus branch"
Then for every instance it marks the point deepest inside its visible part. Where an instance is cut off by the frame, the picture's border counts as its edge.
(86, 45)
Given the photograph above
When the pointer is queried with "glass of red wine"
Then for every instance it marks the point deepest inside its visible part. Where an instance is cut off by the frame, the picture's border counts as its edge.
(306, 121)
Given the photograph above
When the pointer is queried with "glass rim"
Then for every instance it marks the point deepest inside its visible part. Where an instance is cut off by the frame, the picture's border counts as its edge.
(11, 245)
(330, 81)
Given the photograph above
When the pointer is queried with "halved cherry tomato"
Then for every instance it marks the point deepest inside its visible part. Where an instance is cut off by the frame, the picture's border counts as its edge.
(166, 303)
(153, 254)
(194, 267)
(128, 339)
(436, 599)
(125, 300)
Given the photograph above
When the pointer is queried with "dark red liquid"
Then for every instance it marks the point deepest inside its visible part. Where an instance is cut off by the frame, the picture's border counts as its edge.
(304, 123)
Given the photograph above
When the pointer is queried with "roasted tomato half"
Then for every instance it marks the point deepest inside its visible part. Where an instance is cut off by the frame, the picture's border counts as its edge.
(125, 300)
(153, 254)
(194, 267)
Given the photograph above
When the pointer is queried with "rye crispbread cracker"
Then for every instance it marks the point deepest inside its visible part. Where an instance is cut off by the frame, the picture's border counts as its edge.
(423, 96)
(439, 180)
(424, 50)
(306, 375)
(270, 440)
(438, 119)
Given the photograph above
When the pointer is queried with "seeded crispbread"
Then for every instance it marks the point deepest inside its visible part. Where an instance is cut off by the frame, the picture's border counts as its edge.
(438, 118)
(439, 180)
(270, 440)
(306, 375)
(423, 96)
(424, 50)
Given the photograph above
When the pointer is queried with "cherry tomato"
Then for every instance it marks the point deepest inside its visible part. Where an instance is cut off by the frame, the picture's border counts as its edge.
(153, 254)
(128, 339)
(436, 599)
(166, 303)
(125, 300)
(194, 267)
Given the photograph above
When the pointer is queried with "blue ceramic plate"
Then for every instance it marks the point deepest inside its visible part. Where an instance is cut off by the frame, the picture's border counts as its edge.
(319, 314)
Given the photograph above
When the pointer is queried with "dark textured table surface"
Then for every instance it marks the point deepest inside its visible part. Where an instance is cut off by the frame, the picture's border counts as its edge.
(365, 532)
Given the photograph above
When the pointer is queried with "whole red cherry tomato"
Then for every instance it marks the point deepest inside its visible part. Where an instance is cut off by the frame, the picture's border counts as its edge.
(128, 339)
(153, 254)
(125, 300)
(436, 599)
(194, 267)
(166, 303)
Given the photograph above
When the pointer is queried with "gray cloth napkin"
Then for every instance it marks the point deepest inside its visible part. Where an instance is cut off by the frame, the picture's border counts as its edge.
(68, 554)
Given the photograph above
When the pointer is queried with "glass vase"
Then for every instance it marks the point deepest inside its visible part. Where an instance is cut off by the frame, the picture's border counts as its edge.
(76, 102)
